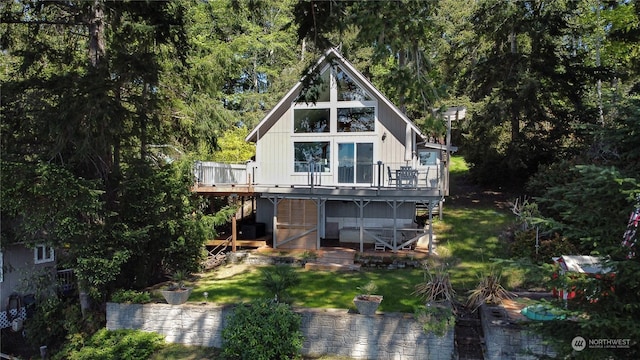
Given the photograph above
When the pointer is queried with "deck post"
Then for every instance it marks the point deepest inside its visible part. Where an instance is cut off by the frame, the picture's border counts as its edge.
(430, 207)
(234, 233)
(361, 208)
(319, 217)
(395, 226)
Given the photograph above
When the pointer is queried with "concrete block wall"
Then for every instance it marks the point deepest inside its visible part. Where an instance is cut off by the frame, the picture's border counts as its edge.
(326, 331)
(509, 340)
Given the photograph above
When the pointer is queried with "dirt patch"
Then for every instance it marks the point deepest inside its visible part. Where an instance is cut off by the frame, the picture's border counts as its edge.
(464, 193)
(229, 270)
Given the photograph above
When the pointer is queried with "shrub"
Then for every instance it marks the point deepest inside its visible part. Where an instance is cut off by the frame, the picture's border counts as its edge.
(278, 280)
(54, 319)
(436, 318)
(435, 287)
(489, 290)
(524, 246)
(131, 297)
(262, 330)
(117, 344)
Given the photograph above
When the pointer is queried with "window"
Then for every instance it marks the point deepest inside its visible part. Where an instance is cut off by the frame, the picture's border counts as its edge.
(348, 90)
(318, 90)
(356, 119)
(355, 163)
(43, 254)
(427, 157)
(307, 152)
(311, 120)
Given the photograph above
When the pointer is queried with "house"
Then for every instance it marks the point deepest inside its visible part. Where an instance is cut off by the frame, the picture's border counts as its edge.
(580, 265)
(19, 266)
(349, 167)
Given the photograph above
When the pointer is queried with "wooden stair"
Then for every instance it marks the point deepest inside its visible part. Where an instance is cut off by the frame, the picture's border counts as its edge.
(334, 260)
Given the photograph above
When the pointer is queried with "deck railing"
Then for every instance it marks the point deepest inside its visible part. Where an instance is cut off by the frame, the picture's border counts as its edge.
(381, 175)
(210, 173)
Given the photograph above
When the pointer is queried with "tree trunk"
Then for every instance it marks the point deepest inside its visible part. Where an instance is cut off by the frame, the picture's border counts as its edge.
(96, 33)
(96, 54)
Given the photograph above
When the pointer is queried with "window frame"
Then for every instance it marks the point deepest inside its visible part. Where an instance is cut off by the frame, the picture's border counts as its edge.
(325, 166)
(334, 105)
(45, 259)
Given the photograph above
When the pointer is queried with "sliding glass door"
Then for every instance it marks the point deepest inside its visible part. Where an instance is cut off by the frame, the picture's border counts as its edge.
(355, 163)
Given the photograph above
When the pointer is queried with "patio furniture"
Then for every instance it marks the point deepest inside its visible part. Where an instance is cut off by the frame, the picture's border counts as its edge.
(406, 177)
(392, 179)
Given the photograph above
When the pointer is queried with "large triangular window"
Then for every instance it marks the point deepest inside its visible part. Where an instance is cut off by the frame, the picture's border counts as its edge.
(348, 90)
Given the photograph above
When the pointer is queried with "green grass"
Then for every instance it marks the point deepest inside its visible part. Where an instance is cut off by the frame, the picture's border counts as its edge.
(183, 352)
(458, 166)
(319, 289)
(468, 241)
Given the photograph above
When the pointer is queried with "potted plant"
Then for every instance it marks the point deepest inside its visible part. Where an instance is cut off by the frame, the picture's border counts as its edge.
(366, 302)
(177, 293)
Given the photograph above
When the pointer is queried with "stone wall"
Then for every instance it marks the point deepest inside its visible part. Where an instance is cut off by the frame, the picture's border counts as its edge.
(326, 331)
(506, 339)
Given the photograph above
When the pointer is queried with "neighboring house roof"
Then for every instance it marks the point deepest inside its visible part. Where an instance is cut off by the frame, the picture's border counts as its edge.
(285, 102)
(437, 146)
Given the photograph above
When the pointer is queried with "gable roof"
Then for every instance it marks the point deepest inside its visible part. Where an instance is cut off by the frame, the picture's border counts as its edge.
(347, 66)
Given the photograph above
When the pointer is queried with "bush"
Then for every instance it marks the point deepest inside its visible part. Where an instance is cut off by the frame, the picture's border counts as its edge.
(52, 321)
(116, 345)
(131, 297)
(262, 330)
(436, 318)
(278, 280)
(524, 246)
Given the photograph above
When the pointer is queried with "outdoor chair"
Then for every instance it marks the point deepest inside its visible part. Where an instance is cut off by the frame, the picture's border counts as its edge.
(392, 179)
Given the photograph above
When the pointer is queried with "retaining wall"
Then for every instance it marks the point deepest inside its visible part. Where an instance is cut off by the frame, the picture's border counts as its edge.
(326, 331)
(506, 339)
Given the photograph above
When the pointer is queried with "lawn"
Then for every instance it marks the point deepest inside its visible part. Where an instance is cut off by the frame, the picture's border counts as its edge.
(317, 289)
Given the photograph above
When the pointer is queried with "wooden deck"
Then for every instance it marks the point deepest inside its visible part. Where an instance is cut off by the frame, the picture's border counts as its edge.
(257, 243)
(224, 190)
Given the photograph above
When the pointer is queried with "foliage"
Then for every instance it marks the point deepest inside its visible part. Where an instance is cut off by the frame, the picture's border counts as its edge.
(131, 296)
(56, 201)
(436, 318)
(177, 280)
(262, 330)
(523, 245)
(56, 320)
(114, 344)
(233, 148)
(610, 311)
(589, 228)
(163, 222)
(488, 291)
(369, 288)
(278, 280)
(45, 326)
(436, 286)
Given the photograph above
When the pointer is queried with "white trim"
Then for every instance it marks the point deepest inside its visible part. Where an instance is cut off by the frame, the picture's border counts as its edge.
(44, 259)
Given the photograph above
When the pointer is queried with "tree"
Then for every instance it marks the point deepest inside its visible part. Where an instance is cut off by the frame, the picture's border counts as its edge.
(531, 83)
(587, 200)
(81, 100)
(398, 53)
